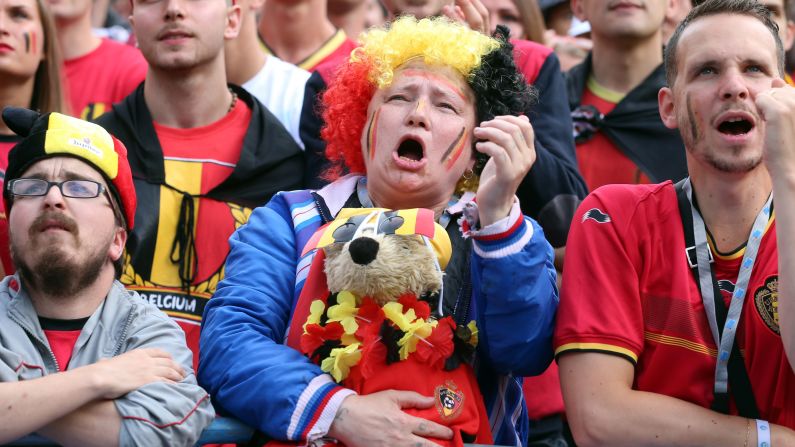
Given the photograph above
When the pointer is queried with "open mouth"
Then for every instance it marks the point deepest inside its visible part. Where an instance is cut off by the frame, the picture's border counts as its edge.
(735, 126)
(411, 149)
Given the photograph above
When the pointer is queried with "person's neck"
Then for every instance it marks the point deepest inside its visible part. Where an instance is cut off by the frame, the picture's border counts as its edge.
(75, 38)
(622, 66)
(15, 92)
(351, 20)
(188, 98)
(80, 305)
(729, 203)
(244, 55)
(295, 30)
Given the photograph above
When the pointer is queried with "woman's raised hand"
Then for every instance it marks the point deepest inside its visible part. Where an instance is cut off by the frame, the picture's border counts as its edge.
(509, 142)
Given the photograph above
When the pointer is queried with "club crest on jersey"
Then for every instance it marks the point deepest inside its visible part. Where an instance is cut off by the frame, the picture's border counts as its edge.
(449, 400)
(596, 215)
(766, 300)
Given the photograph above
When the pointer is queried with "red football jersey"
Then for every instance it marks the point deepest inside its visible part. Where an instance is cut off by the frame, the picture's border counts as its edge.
(99, 79)
(628, 290)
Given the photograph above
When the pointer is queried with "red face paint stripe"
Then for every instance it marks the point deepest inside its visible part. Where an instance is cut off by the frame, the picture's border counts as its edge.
(371, 134)
(455, 150)
(33, 42)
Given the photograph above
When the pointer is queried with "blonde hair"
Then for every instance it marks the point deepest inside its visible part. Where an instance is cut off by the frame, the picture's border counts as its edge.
(436, 41)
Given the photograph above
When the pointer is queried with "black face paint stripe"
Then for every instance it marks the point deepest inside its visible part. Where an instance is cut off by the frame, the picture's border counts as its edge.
(453, 144)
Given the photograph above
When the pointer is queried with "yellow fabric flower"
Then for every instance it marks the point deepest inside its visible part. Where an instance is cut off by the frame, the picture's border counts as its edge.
(417, 330)
(473, 327)
(339, 363)
(345, 312)
(394, 312)
(315, 312)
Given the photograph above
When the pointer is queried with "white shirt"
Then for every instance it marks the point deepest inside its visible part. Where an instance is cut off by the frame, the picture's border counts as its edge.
(280, 87)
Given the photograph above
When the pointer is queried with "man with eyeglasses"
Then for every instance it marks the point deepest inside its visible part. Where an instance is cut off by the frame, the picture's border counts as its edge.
(83, 361)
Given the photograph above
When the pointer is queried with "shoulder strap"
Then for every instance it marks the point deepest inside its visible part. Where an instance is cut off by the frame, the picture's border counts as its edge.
(740, 384)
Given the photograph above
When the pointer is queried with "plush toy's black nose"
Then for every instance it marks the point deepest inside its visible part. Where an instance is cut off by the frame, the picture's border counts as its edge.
(363, 250)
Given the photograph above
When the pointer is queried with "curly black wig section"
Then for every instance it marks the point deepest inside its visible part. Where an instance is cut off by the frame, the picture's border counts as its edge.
(500, 88)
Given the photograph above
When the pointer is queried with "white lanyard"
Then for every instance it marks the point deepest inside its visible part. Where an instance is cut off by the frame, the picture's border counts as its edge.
(726, 341)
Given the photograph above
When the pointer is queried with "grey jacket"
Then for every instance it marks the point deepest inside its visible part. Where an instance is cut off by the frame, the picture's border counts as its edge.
(157, 414)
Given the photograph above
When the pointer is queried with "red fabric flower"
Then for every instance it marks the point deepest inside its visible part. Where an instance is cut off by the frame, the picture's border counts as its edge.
(437, 347)
(373, 355)
(410, 301)
(316, 334)
(370, 318)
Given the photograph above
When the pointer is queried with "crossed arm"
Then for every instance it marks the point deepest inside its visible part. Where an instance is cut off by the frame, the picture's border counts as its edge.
(76, 407)
(603, 409)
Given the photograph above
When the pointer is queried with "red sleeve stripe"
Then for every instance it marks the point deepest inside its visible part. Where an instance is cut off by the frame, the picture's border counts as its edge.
(162, 426)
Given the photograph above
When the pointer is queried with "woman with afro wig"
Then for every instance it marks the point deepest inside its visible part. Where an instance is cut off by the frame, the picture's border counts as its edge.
(425, 114)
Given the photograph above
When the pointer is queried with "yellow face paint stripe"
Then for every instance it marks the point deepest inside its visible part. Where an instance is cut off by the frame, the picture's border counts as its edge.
(371, 134)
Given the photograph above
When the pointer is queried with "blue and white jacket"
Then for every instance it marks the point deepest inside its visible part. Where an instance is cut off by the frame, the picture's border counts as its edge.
(252, 374)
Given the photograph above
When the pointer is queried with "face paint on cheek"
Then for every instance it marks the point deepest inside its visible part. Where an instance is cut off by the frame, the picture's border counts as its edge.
(691, 115)
(26, 35)
(372, 130)
(455, 150)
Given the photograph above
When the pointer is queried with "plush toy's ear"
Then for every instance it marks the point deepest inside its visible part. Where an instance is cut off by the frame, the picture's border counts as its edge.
(20, 120)
(440, 242)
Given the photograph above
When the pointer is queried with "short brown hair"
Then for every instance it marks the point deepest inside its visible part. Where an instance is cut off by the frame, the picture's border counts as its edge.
(750, 8)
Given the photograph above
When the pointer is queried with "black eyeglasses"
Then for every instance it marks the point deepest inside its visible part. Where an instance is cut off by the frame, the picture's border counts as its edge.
(78, 189)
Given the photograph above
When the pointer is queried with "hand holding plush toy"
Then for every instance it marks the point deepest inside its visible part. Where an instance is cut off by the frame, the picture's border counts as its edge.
(373, 328)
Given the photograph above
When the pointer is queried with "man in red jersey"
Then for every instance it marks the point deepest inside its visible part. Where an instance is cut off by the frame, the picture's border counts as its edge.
(97, 72)
(668, 328)
(613, 96)
(203, 154)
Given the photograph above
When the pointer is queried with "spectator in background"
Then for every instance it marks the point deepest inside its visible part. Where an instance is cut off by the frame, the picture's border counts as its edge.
(779, 12)
(663, 345)
(673, 15)
(300, 32)
(613, 97)
(565, 33)
(82, 361)
(203, 154)
(348, 15)
(30, 76)
(376, 14)
(522, 17)
(278, 85)
(97, 72)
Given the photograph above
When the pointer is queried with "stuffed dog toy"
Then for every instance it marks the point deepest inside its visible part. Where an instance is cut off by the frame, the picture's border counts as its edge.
(372, 327)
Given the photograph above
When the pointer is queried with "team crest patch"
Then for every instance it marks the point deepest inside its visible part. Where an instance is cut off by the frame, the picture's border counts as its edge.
(596, 215)
(766, 300)
(449, 400)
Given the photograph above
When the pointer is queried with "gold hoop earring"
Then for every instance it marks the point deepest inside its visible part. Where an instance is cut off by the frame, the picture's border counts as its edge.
(469, 181)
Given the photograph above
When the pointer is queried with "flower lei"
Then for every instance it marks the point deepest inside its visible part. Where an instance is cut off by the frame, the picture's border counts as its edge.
(342, 335)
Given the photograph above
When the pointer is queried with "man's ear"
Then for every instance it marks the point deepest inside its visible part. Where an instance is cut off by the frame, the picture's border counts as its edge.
(117, 245)
(578, 10)
(233, 22)
(665, 101)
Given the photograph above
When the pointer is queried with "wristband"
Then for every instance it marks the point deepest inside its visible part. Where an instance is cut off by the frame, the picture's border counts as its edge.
(762, 433)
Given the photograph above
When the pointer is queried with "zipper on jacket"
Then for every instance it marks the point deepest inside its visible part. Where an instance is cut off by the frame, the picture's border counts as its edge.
(36, 337)
(123, 335)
